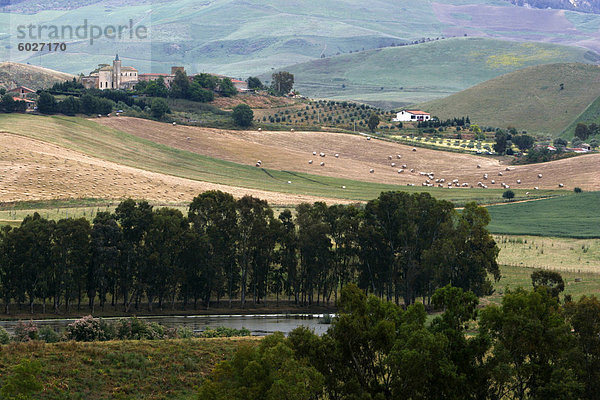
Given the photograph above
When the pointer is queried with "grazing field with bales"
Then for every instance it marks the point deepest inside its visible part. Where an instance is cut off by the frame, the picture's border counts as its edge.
(64, 157)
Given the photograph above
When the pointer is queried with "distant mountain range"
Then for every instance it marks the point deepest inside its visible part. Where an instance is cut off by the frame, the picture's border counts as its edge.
(590, 6)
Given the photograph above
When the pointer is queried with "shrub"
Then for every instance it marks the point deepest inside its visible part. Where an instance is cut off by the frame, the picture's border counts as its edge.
(26, 331)
(222, 331)
(509, 195)
(577, 190)
(183, 332)
(136, 329)
(49, 335)
(159, 108)
(4, 336)
(88, 329)
(243, 115)
(22, 382)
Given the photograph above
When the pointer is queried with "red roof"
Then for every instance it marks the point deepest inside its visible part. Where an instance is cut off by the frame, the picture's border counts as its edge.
(25, 100)
(155, 74)
(417, 112)
(18, 89)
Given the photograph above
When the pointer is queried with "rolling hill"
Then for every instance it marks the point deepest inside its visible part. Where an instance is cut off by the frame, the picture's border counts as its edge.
(417, 73)
(15, 74)
(46, 158)
(248, 37)
(530, 99)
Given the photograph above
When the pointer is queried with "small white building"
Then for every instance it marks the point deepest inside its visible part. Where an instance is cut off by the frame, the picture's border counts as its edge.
(411, 115)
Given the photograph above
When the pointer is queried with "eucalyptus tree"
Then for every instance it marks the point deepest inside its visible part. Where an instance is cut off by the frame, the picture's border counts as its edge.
(213, 214)
(106, 245)
(135, 220)
(71, 257)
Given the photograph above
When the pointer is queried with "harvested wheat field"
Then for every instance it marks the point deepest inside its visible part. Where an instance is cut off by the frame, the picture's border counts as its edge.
(361, 159)
(35, 170)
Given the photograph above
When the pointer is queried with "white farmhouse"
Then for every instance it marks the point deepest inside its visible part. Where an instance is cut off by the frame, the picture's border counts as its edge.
(412, 115)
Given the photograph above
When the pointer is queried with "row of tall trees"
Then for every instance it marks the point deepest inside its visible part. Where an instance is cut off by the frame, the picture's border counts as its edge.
(400, 247)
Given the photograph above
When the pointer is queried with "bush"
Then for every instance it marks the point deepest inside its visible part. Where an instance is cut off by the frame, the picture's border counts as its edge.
(26, 331)
(4, 336)
(88, 329)
(136, 329)
(222, 331)
(577, 190)
(509, 195)
(159, 108)
(243, 115)
(49, 335)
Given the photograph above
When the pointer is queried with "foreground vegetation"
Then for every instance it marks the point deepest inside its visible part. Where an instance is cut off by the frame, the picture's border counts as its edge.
(529, 347)
(399, 246)
(130, 369)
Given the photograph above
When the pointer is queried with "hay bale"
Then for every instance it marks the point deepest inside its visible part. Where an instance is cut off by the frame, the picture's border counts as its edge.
(337, 155)
(322, 164)
(540, 176)
(371, 170)
(310, 161)
(414, 149)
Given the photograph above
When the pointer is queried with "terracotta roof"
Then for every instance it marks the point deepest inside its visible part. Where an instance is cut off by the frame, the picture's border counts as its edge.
(22, 87)
(128, 68)
(417, 112)
(153, 74)
(25, 100)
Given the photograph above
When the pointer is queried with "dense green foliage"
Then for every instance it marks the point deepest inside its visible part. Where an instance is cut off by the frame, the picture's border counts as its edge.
(283, 82)
(243, 115)
(529, 347)
(269, 371)
(400, 246)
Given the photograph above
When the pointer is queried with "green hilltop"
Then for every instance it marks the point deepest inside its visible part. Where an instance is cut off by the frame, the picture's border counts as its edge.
(249, 37)
(530, 99)
(411, 74)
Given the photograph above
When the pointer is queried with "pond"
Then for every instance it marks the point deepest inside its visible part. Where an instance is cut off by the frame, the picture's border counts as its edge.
(258, 324)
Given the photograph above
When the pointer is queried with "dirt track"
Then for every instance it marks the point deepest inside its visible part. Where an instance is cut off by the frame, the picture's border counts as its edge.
(292, 150)
(35, 170)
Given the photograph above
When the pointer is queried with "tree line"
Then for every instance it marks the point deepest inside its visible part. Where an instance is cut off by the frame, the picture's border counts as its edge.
(400, 247)
(528, 347)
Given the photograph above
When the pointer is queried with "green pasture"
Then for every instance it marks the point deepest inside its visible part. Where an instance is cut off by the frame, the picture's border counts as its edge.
(573, 216)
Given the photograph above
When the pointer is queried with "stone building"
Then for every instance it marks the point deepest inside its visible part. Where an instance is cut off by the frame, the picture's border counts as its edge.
(112, 77)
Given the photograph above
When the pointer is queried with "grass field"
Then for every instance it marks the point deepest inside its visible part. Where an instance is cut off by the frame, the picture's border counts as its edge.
(513, 277)
(589, 116)
(109, 144)
(161, 369)
(414, 74)
(562, 254)
(570, 216)
(528, 99)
